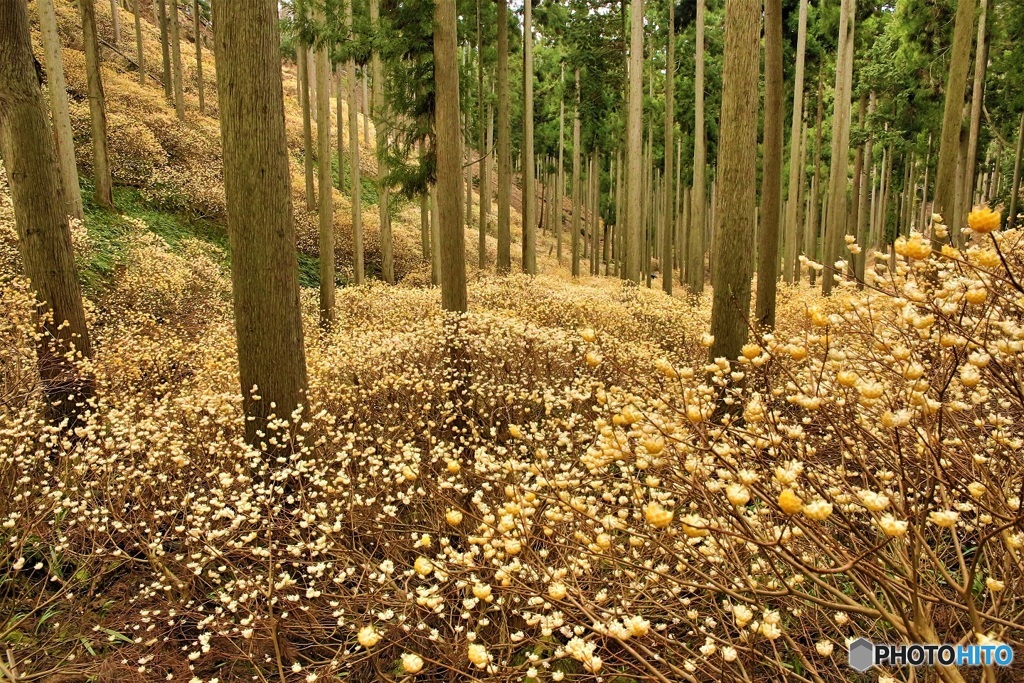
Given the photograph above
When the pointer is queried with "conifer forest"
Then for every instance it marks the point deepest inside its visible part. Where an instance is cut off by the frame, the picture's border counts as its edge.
(511, 341)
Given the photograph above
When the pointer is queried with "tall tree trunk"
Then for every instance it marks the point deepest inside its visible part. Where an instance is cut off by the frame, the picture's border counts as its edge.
(595, 220)
(353, 147)
(529, 201)
(791, 271)
(435, 239)
(952, 112)
(325, 201)
(365, 106)
(197, 30)
(481, 137)
(264, 266)
(59, 109)
(1011, 216)
(858, 172)
(771, 186)
(379, 115)
(140, 56)
(302, 57)
(179, 93)
(424, 214)
(485, 187)
(504, 258)
(835, 222)
(577, 194)
(634, 144)
(811, 235)
(467, 165)
(115, 21)
(104, 191)
(698, 193)
(41, 220)
(668, 232)
(924, 187)
(866, 182)
(449, 156)
(977, 99)
(560, 181)
(165, 50)
(339, 96)
(737, 172)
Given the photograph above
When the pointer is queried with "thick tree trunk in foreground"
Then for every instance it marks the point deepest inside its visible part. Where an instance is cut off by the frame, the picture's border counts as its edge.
(504, 259)
(59, 110)
(44, 238)
(771, 185)
(634, 144)
(952, 113)
(737, 180)
(791, 271)
(698, 195)
(104, 192)
(529, 201)
(449, 157)
(264, 268)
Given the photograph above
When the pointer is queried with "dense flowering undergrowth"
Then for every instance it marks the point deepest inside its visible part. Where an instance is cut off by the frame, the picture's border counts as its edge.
(553, 487)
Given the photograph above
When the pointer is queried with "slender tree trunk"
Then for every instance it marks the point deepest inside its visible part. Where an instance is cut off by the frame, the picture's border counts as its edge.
(924, 188)
(485, 188)
(577, 194)
(595, 220)
(435, 239)
(424, 216)
(1011, 216)
(560, 182)
(339, 96)
(481, 136)
(698, 193)
(835, 225)
(197, 30)
(737, 170)
(140, 56)
(468, 167)
(41, 220)
(104, 192)
(529, 200)
(63, 137)
(883, 217)
(866, 182)
(353, 147)
(179, 94)
(668, 232)
(449, 157)
(977, 99)
(791, 271)
(264, 266)
(952, 112)
(858, 171)
(379, 115)
(302, 57)
(115, 20)
(365, 105)
(504, 258)
(811, 235)
(771, 186)
(165, 51)
(634, 144)
(325, 201)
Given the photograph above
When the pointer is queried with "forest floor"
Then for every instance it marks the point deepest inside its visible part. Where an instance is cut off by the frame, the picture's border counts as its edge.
(581, 495)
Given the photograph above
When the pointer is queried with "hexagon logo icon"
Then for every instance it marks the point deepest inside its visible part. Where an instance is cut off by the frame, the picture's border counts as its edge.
(862, 653)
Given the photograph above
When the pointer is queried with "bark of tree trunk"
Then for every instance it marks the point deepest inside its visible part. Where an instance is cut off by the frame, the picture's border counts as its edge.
(353, 147)
(41, 220)
(104, 191)
(737, 173)
(302, 57)
(165, 51)
(668, 232)
(858, 171)
(698, 194)
(634, 144)
(379, 114)
(1011, 218)
(339, 97)
(115, 20)
(952, 113)
(449, 157)
(835, 226)
(264, 266)
(529, 201)
(791, 271)
(771, 186)
(866, 183)
(179, 94)
(504, 257)
(140, 56)
(63, 136)
(977, 99)
(577, 194)
(325, 183)
(197, 25)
